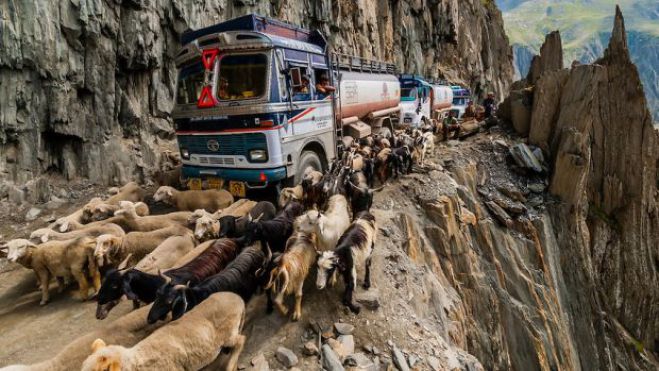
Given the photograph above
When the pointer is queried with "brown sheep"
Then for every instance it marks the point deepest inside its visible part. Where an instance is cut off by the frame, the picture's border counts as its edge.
(291, 270)
(46, 234)
(189, 343)
(290, 193)
(128, 330)
(210, 200)
(102, 210)
(60, 259)
(139, 223)
(131, 191)
(111, 250)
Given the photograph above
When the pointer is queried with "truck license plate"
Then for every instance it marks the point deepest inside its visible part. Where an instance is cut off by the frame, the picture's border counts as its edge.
(237, 189)
(194, 184)
(215, 183)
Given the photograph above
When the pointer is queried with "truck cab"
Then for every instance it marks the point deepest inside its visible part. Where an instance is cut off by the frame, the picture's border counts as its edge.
(247, 111)
(461, 97)
(415, 101)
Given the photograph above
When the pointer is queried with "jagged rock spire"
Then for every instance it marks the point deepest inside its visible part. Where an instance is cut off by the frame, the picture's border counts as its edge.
(550, 58)
(617, 48)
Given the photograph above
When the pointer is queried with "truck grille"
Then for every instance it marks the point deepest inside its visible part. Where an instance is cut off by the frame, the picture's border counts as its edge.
(229, 145)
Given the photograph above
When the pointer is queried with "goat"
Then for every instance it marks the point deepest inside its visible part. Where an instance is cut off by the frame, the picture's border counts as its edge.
(423, 144)
(111, 248)
(230, 226)
(45, 234)
(352, 252)
(209, 225)
(210, 262)
(329, 226)
(239, 277)
(127, 330)
(361, 196)
(274, 233)
(189, 344)
(401, 159)
(117, 282)
(383, 165)
(141, 282)
(60, 259)
(291, 269)
(210, 200)
(290, 194)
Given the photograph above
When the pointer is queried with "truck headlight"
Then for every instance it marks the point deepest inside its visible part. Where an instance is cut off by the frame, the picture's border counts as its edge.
(258, 155)
(185, 154)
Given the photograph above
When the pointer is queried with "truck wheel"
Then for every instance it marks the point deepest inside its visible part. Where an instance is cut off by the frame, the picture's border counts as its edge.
(308, 158)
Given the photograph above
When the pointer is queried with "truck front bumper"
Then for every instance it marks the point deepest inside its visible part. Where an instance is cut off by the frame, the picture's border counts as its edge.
(244, 175)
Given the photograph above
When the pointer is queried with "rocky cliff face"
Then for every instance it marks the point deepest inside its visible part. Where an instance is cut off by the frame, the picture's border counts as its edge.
(593, 123)
(87, 84)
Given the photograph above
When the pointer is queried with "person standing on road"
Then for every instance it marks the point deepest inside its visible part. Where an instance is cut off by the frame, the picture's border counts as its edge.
(451, 125)
(490, 105)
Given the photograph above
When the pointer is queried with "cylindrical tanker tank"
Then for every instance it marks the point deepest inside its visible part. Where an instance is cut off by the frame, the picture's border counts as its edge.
(362, 93)
(442, 97)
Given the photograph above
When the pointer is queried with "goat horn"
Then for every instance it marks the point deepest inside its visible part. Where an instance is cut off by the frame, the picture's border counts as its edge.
(378, 189)
(258, 217)
(180, 287)
(124, 264)
(359, 188)
(166, 278)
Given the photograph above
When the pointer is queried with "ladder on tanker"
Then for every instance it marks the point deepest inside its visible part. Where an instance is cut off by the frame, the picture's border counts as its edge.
(345, 62)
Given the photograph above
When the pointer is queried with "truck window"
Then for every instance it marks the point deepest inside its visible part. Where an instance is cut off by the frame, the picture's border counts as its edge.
(303, 91)
(322, 78)
(242, 76)
(190, 82)
(408, 93)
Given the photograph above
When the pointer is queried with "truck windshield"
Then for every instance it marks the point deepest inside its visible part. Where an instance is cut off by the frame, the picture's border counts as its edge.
(190, 81)
(242, 76)
(408, 93)
(460, 101)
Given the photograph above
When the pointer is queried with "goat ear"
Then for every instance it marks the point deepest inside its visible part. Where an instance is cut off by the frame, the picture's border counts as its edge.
(179, 306)
(98, 344)
(124, 263)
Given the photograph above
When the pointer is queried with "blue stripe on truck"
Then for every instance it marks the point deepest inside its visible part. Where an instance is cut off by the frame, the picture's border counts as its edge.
(245, 175)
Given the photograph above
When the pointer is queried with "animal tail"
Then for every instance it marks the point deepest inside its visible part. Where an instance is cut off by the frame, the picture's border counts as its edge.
(271, 283)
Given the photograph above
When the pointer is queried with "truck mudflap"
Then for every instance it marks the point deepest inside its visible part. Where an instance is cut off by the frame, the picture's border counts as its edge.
(254, 176)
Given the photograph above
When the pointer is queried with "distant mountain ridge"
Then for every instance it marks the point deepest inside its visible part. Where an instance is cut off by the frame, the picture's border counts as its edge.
(585, 29)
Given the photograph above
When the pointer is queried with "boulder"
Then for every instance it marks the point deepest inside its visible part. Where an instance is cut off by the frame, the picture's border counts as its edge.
(286, 357)
(331, 361)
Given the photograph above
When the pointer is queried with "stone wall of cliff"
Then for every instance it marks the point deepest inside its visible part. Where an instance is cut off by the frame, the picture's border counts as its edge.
(86, 85)
(593, 122)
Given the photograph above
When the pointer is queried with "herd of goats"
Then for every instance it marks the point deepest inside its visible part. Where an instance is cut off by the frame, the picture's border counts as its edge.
(202, 263)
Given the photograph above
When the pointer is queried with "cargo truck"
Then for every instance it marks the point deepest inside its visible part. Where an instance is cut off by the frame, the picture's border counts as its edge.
(248, 113)
(422, 101)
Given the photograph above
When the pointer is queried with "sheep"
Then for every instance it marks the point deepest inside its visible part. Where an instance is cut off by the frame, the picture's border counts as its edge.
(64, 223)
(103, 210)
(230, 226)
(113, 249)
(291, 269)
(210, 200)
(45, 234)
(131, 191)
(213, 260)
(118, 282)
(273, 233)
(352, 252)
(127, 330)
(239, 277)
(208, 225)
(290, 193)
(60, 259)
(139, 223)
(329, 226)
(188, 344)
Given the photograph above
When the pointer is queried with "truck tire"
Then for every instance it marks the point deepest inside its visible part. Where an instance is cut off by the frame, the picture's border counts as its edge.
(307, 158)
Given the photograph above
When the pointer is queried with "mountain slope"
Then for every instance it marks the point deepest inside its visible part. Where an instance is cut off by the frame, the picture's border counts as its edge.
(584, 26)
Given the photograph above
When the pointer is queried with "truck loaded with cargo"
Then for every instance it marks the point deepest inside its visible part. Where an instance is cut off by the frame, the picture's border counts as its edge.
(251, 110)
(421, 101)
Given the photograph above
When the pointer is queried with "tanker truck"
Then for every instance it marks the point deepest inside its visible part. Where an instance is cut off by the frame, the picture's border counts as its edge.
(249, 114)
(421, 101)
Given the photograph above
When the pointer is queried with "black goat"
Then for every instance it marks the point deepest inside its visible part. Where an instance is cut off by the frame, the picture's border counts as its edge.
(230, 226)
(210, 262)
(274, 233)
(138, 286)
(353, 251)
(401, 159)
(359, 194)
(238, 277)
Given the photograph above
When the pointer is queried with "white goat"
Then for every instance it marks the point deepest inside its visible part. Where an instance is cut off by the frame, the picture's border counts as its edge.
(328, 226)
